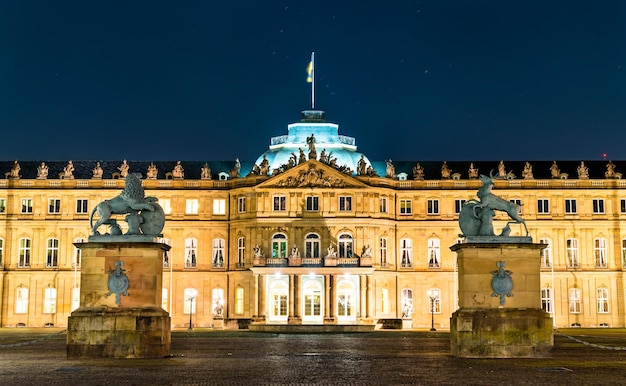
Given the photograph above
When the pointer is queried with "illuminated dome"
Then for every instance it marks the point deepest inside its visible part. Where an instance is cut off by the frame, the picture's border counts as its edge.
(327, 140)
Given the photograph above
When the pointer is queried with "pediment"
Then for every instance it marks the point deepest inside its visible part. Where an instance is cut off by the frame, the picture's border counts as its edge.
(312, 174)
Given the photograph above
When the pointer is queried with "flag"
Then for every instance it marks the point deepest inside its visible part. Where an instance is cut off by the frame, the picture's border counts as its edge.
(309, 71)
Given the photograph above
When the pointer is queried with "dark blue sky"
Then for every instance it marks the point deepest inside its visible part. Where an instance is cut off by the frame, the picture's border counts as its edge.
(411, 80)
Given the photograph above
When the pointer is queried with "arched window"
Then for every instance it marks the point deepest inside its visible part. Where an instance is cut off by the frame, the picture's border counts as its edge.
(599, 250)
(603, 300)
(50, 301)
(24, 253)
(191, 252)
(218, 253)
(546, 253)
(407, 303)
(575, 300)
(434, 253)
(312, 245)
(52, 253)
(345, 245)
(279, 246)
(406, 253)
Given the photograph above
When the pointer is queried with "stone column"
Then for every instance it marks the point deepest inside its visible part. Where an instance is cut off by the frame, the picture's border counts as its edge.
(327, 302)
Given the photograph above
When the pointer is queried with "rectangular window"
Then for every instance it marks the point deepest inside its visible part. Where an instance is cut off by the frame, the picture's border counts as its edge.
(570, 206)
(54, 206)
(546, 299)
(52, 253)
(598, 206)
(1, 251)
(433, 206)
(312, 204)
(600, 254)
(603, 300)
(164, 299)
(406, 253)
(458, 205)
(27, 205)
(81, 206)
(383, 253)
(24, 253)
(21, 300)
(406, 207)
(575, 300)
(519, 204)
(623, 253)
(3, 205)
(543, 206)
(384, 300)
(546, 253)
(191, 206)
(218, 253)
(434, 253)
(241, 205)
(241, 252)
(280, 203)
(239, 300)
(191, 251)
(50, 301)
(166, 204)
(219, 206)
(383, 205)
(622, 205)
(345, 203)
(571, 247)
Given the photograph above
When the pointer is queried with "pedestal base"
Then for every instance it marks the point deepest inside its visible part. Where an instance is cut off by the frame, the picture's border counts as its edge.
(501, 333)
(104, 332)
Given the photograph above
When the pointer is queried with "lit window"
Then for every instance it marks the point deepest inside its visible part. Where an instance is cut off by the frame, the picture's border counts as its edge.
(546, 253)
(599, 250)
(406, 207)
(27, 205)
(546, 300)
(81, 206)
(406, 253)
(218, 253)
(52, 253)
(383, 252)
(603, 300)
(434, 253)
(241, 204)
(570, 206)
(166, 204)
(622, 205)
(458, 205)
(384, 300)
(407, 303)
(50, 301)
(164, 299)
(239, 292)
(571, 247)
(312, 203)
(575, 300)
(312, 245)
(241, 251)
(1, 251)
(345, 203)
(280, 203)
(191, 206)
(432, 206)
(345, 245)
(3, 205)
(279, 246)
(598, 205)
(24, 253)
(190, 297)
(191, 251)
(54, 206)
(21, 300)
(219, 206)
(434, 295)
(624, 253)
(543, 206)
(383, 205)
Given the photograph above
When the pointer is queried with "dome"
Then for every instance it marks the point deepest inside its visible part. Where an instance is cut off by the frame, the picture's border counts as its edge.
(328, 143)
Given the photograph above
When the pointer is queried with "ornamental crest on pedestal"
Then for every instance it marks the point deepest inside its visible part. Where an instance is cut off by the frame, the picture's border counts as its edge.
(501, 283)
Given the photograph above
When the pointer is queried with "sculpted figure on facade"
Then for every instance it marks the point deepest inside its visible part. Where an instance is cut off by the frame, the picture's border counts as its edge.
(473, 172)
(257, 251)
(323, 157)
(367, 251)
(123, 168)
(301, 157)
(152, 171)
(610, 170)
(476, 217)
(294, 252)
(205, 172)
(311, 142)
(97, 171)
(42, 171)
(445, 171)
(264, 168)
(527, 173)
(361, 167)
(555, 172)
(418, 172)
(390, 171)
(178, 172)
(330, 251)
(234, 172)
(68, 171)
(583, 171)
(15, 171)
(501, 170)
(371, 172)
(293, 161)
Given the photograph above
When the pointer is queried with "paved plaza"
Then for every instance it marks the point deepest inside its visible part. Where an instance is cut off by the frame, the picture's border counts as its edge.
(207, 357)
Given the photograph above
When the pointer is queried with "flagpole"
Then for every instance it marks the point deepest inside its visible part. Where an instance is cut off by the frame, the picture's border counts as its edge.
(313, 80)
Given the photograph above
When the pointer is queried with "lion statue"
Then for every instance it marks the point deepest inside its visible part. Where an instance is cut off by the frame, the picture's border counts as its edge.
(131, 201)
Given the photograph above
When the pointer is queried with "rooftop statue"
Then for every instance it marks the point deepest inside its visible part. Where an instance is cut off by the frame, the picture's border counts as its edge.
(323, 157)
(302, 157)
(15, 171)
(390, 171)
(555, 172)
(361, 167)
(68, 171)
(234, 172)
(97, 171)
(264, 168)
(610, 171)
(123, 168)
(473, 172)
(178, 171)
(145, 215)
(476, 217)
(445, 170)
(311, 142)
(205, 172)
(42, 171)
(418, 172)
(527, 173)
(583, 171)
(501, 170)
(152, 172)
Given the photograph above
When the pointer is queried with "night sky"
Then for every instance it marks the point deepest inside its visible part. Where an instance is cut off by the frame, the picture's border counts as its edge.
(214, 80)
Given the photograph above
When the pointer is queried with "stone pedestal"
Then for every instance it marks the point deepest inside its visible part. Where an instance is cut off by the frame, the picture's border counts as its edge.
(110, 323)
(510, 324)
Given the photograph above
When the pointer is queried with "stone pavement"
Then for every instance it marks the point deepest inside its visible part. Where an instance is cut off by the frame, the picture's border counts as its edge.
(207, 357)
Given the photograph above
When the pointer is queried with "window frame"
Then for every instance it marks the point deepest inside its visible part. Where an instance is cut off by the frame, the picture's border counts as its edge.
(383, 243)
(434, 303)
(572, 255)
(597, 205)
(24, 252)
(241, 205)
(279, 203)
(191, 252)
(82, 206)
(52, 253)
(600, 252)
(312, 203)
(406, 252)
(432, 207)
(27, 206)
(458, 205)
(54, 206)
(345, 245)
(21, 300)
(575, 300)
(602, 297)
(50, 300)
(3, 205)
(571, 206)
(218, 256)
(345, 203)
(543, 206)
(546, 253)
(312, 245)
(406, 206)
(384, 207)
(241, 251)
(219, 206)
(279, 245)
(434, 253)
(547, 303)
(191, 206)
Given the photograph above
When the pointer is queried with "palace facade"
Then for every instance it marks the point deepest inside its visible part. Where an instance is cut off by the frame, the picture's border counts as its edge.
(314, 233)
